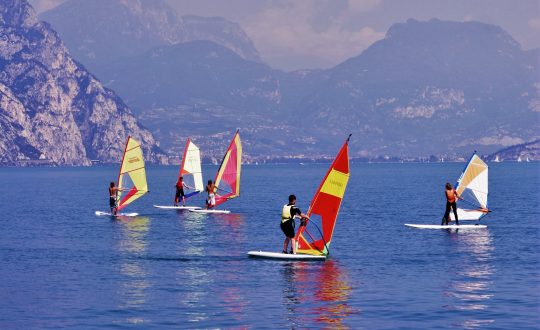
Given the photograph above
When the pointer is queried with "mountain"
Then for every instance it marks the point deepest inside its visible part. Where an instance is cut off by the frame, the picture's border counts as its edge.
(433, 86)
(98, 32)
(529, 151)
(428, 88)
(189, 72)
(51, 108)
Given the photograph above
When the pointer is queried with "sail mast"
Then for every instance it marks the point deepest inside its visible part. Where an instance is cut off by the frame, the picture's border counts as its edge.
(325, 205)
(132, 176)
(191, 167)
(229, 171)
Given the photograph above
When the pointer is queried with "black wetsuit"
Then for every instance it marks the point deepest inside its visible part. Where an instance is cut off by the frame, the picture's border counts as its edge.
(288, 226)
(179, 192)
(446, 218)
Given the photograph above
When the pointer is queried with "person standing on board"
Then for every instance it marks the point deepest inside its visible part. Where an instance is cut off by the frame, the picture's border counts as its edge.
(180, 191)
(451, 197)
(112, 198)
(289, 212)
(211, 199)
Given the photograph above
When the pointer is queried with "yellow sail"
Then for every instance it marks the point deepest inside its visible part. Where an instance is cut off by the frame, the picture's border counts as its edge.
(132, 178)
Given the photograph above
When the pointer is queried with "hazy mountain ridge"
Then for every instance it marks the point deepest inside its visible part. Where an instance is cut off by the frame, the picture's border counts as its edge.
(461, 84)
(102, 31)
(529, 151)
(51, 108)
(427, 88)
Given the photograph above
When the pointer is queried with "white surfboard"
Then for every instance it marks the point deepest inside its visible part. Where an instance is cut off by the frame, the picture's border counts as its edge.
(109, 214)
(284, 256)
(171, 207)
(445, 226)
(210, 211)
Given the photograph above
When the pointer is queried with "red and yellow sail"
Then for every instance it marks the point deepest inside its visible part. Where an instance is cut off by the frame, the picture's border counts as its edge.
(325, 205)
(228, 176)
(132, 177)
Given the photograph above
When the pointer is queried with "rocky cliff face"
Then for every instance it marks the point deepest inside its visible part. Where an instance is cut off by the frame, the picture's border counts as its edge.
(50, 106)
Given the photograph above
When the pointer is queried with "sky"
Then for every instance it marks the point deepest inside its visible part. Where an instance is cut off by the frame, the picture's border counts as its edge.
(308, 34)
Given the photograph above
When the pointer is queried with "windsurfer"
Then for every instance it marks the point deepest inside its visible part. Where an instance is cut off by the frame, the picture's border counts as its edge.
(289, 212)
(112, 198)
(451, 197)
(180, 191)
(211, 199)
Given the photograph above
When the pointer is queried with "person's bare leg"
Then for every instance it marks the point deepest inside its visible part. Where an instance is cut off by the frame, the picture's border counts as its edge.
(293, 245)
(183, 201)
(286, 244)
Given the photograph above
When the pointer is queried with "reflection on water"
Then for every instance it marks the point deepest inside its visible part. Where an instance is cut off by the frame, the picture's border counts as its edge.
(133, 288)
(203, 287)
(316, 292)
(470, 286)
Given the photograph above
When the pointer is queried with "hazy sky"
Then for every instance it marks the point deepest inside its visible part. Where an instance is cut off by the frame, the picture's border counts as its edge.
(294, 34)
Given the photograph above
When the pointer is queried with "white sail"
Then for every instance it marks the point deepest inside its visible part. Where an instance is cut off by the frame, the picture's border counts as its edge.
(472, 186)
(191, 166)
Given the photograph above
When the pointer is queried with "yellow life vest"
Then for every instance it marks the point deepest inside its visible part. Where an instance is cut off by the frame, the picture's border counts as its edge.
(286, 213)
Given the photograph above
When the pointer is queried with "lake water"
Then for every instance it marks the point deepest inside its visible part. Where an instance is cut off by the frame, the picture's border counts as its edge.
(61, 266)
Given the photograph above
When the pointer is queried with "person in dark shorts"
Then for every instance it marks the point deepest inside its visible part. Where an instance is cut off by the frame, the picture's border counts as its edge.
(112, 198)
(451, 197)
(180, 192)
(289, 212)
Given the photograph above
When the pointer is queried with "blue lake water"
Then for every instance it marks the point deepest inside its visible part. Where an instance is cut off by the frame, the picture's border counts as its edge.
(61, 266)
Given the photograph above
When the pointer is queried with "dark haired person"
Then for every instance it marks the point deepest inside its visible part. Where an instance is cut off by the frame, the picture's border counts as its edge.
(112, 197)
(211, 199)
(451, 197)
(179, 191)
(289, 212)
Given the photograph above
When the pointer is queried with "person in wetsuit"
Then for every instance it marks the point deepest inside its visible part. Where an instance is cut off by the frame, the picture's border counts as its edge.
(451, 197)
(112, 198)
(289, 212)
(179, 191)
(211, 199)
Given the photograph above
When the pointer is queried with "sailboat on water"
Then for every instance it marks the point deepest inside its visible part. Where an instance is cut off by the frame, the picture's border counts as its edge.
(227, 181)
(472, 186)
(315, 236)
(191, 172)
(132, 183)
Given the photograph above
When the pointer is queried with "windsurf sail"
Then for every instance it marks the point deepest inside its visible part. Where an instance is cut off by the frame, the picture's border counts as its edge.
(228, 176)
(324, 207)
(472, 186)
(190, 169)
(132, 177)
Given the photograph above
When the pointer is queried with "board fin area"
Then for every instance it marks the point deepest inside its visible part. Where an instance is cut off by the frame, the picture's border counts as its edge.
(285, 256)
(421, 226)
(209, 211)
(109, 214)
(180, 208)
